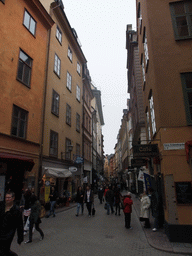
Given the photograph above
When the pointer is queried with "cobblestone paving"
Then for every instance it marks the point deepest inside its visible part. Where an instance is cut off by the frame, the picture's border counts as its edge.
(100, 235)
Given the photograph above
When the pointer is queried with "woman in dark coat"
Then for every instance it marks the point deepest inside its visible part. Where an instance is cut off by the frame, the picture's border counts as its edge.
(34, 218)
(79, 200)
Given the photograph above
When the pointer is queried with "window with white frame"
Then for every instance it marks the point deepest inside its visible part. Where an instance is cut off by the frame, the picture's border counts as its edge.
(78, 93)
(181, 13)
(68, 114)
(148, 126)
(69, 53)
(55, 103)
(139, 16)
(152, 112)
(69, 81)
(29, 22)
(143, 69)
(78, 68)
(57, 65)
(146, 53)
(24, 68)
(59, 35)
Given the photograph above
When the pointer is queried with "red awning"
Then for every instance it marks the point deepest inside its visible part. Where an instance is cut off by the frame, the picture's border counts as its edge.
(28, 162)
(188, 145)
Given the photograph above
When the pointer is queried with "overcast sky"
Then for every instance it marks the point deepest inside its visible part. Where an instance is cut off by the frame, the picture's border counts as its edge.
(101, 28)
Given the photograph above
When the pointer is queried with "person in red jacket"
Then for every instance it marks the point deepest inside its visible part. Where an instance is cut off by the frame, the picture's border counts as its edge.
(127, 202)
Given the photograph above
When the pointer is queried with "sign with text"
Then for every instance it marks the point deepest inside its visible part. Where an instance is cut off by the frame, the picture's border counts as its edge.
(138, 162)
(145, 150)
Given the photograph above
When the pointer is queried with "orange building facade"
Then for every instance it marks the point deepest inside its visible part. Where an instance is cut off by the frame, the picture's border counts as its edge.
(165, 50)
(23, 52)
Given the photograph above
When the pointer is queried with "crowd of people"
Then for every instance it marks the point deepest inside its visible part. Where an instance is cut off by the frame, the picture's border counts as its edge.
(23, 218)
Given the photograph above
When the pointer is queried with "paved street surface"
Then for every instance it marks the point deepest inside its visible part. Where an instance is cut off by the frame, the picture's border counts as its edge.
(100, 235)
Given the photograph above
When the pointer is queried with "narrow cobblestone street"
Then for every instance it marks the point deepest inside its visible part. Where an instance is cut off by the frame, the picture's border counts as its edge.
(102, 234)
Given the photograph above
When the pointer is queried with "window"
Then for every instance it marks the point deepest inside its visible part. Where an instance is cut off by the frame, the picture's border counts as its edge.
(29, 23)
(53, 143)
(59, 35)
(55, 103)
(143, 69)
(145, 50)
(78, 93)
(139, 16)
(181, 13)
(19, 122)
(152, 112)
(186, 79)
(68, 115)
(70, 54)
(148, 126)
(67, 149)
(78, 68)
(69, 81)
(77, 122)
(24, 68)
(78, 152)
(3, 1)
(57, 65)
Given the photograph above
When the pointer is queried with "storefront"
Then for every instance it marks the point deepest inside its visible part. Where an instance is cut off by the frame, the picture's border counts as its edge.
(13, 170)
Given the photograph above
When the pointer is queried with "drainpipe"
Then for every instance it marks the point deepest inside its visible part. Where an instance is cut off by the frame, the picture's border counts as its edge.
(43, 114)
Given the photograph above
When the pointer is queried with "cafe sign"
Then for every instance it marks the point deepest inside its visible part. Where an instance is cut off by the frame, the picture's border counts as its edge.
(145, 150)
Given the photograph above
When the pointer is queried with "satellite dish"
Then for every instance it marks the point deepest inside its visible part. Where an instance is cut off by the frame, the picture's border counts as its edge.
(72, 169)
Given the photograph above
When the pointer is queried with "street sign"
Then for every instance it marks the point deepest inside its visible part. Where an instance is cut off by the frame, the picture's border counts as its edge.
(145, 150)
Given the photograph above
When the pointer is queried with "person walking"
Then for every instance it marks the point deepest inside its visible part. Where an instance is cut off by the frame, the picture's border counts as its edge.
(154, 208)
(89, 199)
(79, 200)
(34, 218)
(145, 209)
(117, 196)
(10, 221)
(109, 198)
(127, 202)
(53, 198)
(100, 194)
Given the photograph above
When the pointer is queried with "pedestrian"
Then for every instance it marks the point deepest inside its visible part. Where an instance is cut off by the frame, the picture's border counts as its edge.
(127, 202)
(117, 196)
(154, 208)
(27, 204)
(79, 200)
(145, 209)
(10, 221)
(35, 218)
(109, 198)
(89, 199)
(100, 194)
(53, 198)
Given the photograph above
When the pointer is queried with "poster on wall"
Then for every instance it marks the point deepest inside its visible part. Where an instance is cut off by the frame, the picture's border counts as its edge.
(2, 187)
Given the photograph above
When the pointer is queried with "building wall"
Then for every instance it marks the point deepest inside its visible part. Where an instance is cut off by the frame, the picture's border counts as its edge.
(15, 36)
(168, 58)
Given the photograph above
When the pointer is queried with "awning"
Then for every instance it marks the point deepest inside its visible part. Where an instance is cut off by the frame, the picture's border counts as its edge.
(56, 172)
(188, 145)
(26, 162)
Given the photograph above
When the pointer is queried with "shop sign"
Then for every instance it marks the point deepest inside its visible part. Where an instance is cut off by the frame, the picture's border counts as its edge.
(145, 150)
(138, 162)
(174, 146)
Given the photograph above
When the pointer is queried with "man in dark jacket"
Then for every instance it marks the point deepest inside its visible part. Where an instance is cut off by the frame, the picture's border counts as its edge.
(10, 221)
(109, 198)
(53, 198)
(89, 199)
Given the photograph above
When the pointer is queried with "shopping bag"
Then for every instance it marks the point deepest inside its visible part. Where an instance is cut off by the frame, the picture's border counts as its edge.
(27, 224)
